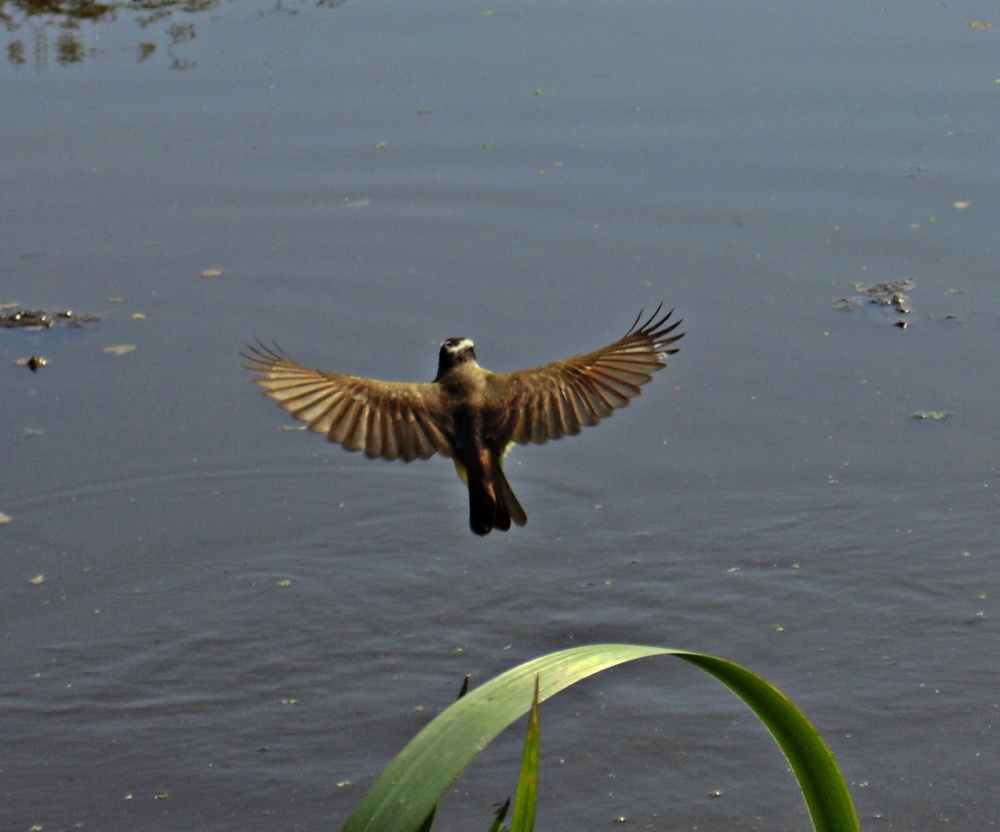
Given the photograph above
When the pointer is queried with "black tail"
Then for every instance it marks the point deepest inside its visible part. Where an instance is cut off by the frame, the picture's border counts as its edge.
(492, 504)
(482, 506)
(508, 506)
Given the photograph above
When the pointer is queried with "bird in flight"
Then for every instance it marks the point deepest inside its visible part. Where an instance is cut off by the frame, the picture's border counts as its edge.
(467, 413)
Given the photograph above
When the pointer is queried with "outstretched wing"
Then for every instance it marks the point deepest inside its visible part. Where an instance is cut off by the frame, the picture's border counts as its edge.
(562, 397)
(387, 419)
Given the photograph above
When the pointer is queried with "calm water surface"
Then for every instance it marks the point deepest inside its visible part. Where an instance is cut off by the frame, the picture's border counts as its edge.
(237, 627)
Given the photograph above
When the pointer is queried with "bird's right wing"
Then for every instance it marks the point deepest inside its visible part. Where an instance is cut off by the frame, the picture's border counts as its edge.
(560, 398)
(385, 419)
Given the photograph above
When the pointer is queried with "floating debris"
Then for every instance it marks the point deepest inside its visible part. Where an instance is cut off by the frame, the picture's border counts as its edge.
(897, 300)
(36, 319)
(32, 362)
(879, 290)
(932, 415)
(890, 295)
(120, 349)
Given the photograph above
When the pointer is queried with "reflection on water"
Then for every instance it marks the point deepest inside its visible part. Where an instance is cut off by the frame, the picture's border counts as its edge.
(43, 33)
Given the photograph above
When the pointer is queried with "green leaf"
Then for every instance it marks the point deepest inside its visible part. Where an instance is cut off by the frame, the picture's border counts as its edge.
(410, 787)
(428, 821)
(527, 786)
(820, 780)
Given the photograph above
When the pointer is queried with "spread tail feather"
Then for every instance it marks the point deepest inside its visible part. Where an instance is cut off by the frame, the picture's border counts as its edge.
(482, 506)
(507, 502)
(492, 504)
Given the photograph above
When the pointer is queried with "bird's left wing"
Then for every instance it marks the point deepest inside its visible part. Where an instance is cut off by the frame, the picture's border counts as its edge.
(385, 419)
(560, 398)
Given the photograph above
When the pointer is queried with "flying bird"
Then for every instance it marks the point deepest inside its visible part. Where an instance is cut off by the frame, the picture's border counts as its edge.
(467, 413)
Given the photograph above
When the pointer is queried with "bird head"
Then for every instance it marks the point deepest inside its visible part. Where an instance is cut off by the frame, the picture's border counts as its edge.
(454, 352)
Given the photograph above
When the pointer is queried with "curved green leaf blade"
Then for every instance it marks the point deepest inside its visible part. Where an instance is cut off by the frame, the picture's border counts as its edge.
(820, 780)
(409, 788)
(414, 781)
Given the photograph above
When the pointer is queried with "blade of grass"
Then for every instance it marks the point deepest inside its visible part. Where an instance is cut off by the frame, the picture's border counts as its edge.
(411, 785)
(527, 786)
(820, 781)
(428, 821)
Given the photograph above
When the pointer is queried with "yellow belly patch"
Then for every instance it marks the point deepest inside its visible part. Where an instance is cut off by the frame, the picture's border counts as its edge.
(463, 475)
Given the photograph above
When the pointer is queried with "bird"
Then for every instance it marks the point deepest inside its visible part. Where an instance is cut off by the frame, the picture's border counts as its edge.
(468, 413)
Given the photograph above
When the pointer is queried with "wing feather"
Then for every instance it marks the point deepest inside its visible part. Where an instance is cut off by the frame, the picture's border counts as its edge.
(385, 419)
(573, 412)
(563, 397)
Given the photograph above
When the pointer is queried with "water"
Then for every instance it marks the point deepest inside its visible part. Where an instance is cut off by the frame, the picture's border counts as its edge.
(238, 627)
